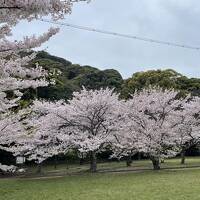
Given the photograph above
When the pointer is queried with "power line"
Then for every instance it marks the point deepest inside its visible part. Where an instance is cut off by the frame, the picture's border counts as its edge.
(121, 35)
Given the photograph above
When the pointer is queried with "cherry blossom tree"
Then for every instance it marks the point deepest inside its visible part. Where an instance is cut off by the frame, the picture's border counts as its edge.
(151, 122)
(93, 114)
(41, 135)
(126, 141)
(15, 75)
(41, 140)
(87, 120)
(188, 130)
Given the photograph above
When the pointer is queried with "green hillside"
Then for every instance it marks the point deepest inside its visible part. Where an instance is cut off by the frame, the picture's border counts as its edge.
(74, 76)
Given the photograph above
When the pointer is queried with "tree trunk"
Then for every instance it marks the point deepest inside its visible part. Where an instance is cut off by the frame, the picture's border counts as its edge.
(156, 163)
(81, 161)
(93, 162)
(139, 156)
(55, 162)
(183, 157)
(129, 161)
(39, 168)
(67, 165)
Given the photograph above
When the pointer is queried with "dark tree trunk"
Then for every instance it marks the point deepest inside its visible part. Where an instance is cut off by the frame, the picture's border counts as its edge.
(93, 162)
(39, 168)
(139, 156)
(129, 161)
(81, 161)
(183, 157)
(156, 163)
(55, 162)
(67, 165)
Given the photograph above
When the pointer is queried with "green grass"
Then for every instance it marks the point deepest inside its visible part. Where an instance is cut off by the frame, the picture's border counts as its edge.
(173, 184)
(163, 185)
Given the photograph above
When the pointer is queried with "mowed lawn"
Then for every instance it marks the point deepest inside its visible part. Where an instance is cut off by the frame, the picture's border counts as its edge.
(149, 185)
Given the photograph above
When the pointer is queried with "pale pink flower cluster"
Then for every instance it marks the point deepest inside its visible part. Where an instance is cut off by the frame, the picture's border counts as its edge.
(13, 11)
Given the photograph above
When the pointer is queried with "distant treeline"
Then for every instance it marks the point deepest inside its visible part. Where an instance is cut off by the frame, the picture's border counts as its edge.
(71, 77)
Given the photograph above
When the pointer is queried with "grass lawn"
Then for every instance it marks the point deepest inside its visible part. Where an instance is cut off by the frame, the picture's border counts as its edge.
(149, 185)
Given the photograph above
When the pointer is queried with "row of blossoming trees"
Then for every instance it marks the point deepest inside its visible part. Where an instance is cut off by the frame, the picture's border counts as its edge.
(154, 121)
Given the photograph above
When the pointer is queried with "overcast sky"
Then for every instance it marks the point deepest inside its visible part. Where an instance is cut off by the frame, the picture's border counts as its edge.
(171, 20)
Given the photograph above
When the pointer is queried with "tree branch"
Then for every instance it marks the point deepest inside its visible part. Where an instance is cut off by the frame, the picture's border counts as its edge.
(10, 7)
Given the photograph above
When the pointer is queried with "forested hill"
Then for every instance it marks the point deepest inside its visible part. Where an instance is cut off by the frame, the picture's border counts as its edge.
(74, 76)
(164, 78)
